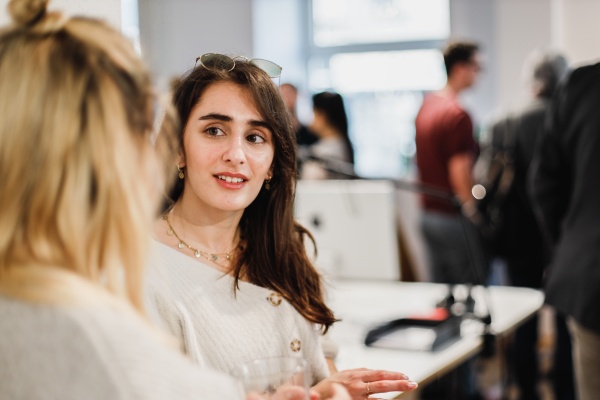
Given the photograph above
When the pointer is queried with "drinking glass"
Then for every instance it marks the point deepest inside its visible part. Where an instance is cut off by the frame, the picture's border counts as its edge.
(275, 378)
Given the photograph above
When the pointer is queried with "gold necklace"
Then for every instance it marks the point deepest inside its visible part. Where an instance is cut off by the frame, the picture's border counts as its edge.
(214, 257)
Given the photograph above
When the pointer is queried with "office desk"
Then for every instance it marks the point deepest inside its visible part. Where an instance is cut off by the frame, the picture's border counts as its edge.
(364, 304)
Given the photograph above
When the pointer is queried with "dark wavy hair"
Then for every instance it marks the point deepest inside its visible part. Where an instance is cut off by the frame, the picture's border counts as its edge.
(332, 105)
(272, 252)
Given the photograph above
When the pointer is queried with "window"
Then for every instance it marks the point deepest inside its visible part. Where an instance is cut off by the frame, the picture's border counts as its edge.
(381, 71)
(348, 22)
(381, 56)
(130, 23)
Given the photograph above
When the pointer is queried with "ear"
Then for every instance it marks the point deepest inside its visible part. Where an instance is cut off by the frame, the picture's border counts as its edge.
(181, 160)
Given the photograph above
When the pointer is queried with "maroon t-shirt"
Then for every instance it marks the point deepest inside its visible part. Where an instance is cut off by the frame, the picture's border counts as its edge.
(443, 130)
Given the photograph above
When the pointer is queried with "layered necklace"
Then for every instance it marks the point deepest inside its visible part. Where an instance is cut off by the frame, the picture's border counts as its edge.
(221, 259)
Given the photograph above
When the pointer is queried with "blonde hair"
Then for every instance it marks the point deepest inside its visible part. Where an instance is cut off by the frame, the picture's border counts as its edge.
(77, 156)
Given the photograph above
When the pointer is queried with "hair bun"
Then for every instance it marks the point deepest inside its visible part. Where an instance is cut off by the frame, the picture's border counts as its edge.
(24, 12)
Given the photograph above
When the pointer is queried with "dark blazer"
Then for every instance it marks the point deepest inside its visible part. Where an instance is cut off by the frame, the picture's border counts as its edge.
(525, 249)
(565, 183)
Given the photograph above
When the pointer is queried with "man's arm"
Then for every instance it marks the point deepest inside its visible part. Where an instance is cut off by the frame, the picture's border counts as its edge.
(460, 174)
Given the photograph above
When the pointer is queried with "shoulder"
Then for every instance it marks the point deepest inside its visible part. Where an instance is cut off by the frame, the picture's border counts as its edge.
(453, 110)
(576, 87)
(171, 279)
(114, 352)
(153, 365)
(441, 109)
(168, 268)
(584, 72)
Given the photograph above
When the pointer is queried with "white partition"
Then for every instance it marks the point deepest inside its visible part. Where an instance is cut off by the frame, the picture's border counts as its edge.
(355, 226)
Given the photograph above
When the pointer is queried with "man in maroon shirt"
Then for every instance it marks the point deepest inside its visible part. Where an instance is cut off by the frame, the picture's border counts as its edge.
(446, 151)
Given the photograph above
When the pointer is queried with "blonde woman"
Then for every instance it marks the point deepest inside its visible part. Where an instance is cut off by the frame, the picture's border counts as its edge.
(78, 174)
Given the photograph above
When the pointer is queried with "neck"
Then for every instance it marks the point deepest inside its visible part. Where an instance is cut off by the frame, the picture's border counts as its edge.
(328, 132)
(451, 90)
(215, 234)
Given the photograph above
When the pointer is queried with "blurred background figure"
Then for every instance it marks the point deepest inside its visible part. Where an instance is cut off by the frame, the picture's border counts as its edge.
(564, 183)
(446, 151)
(334, 148)
(523, 247)
(304, 136)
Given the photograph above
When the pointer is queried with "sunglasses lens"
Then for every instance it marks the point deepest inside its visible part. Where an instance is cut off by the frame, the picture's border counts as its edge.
(272, 69)
(217, 61)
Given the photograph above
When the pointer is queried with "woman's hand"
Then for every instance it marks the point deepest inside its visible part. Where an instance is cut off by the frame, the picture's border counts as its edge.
(362, 383)
(297, 393)
(338, 392)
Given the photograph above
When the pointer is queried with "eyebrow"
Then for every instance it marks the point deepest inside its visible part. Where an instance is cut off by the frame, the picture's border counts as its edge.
(226, 118)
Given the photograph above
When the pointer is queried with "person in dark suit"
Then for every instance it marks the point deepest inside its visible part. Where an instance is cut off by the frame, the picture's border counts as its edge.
(564, 184)
(523, 246)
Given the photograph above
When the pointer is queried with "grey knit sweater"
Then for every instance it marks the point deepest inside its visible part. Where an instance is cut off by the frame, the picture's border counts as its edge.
(92, 352)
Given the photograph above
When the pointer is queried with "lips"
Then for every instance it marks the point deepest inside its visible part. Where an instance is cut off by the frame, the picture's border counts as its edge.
(230, 179)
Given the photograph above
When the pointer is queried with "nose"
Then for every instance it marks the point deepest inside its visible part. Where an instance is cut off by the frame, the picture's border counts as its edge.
(234, 153)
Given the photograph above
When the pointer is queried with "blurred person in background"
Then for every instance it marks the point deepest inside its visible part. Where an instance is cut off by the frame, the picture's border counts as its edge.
(446, 152)
(564, 180)
(333, 152)
(523, 246)
(304, 136)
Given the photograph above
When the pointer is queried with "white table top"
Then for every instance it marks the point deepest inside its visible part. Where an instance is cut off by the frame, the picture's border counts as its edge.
(363, 304)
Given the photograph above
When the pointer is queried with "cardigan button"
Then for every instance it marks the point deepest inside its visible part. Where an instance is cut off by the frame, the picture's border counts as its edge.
(275, 299)
(296, 345)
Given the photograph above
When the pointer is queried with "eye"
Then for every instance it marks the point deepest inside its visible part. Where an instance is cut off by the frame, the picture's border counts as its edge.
(214, 131)
(256, 138)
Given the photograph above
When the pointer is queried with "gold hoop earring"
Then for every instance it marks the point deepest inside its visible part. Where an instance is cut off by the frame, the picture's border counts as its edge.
(181, 174)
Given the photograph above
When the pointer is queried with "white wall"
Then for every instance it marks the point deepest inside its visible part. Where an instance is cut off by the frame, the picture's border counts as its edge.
(109, 10)
(277, 29)
(475, 20)
(578, 30)
(520, 26)
(173, 33)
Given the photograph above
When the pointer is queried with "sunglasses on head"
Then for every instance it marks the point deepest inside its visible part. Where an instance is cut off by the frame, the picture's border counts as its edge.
(221, 61)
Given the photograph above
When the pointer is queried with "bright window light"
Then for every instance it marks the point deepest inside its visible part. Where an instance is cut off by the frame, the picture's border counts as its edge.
(348, 22)
(382, 71)
(130, 23)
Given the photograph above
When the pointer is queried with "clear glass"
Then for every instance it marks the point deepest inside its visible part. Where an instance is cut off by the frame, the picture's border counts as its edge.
(275, 378)
(351, 22)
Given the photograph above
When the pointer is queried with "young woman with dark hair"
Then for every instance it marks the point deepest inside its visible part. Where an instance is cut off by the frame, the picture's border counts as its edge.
(330, 125)
(229, 273)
